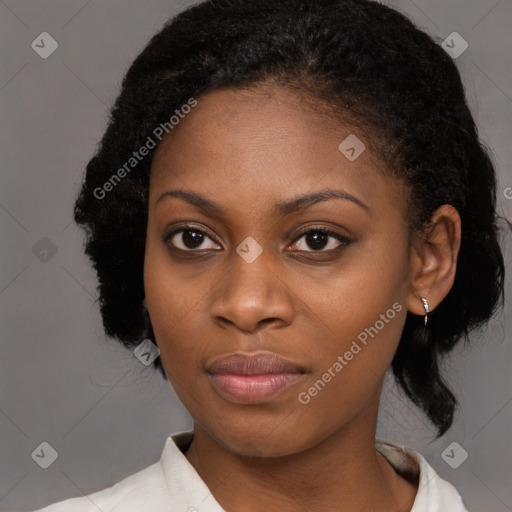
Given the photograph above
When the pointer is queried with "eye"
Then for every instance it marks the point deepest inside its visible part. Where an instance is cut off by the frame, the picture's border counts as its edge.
(190, 239)
(320, 240)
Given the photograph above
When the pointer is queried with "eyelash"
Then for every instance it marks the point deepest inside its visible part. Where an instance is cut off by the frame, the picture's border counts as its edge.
(344, 240)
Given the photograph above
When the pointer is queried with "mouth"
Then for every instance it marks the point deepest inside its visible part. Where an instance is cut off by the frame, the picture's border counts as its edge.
(253, 378)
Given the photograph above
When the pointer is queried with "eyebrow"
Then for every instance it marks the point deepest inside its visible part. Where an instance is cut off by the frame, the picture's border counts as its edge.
(280, 208)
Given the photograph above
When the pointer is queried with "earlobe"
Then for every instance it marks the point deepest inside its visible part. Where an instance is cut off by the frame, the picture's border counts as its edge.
(434, 261)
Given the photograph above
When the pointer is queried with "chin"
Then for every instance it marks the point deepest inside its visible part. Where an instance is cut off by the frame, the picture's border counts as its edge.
(264, 439)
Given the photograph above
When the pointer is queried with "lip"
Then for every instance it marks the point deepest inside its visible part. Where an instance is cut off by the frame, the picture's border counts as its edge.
(253, 378)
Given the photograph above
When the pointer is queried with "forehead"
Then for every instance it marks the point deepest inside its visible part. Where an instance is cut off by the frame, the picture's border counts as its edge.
(266, 114)
(264, 144)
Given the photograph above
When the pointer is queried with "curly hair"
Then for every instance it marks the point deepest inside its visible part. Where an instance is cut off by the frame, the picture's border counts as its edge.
(371, 64)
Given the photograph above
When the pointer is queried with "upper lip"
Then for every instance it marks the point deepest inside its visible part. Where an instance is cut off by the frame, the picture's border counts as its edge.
(253, 364)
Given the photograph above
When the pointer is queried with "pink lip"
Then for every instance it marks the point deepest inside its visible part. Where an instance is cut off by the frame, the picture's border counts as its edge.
(253, 378)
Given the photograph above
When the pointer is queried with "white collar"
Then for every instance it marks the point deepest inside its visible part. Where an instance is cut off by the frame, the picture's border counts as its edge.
(172, 484)
(185, 485)
(434, 494)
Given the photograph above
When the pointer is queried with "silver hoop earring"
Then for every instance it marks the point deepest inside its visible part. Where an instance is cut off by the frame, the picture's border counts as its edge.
(427, 311)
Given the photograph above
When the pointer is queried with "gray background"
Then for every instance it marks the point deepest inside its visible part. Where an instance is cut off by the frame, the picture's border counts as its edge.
(61, 380)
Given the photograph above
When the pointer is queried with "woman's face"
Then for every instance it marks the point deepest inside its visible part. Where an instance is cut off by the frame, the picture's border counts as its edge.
(229, 270)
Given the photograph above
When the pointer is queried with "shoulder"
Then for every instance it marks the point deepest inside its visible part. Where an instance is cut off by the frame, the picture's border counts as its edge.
(169, 485)
(156, 487)
(434, 494)
(137, 489)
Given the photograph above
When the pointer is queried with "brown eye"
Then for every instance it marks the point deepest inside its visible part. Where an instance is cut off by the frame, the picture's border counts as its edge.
(191, 239)
(320, 240)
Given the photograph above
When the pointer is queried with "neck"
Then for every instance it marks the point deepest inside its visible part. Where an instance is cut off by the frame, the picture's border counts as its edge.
(342, 472)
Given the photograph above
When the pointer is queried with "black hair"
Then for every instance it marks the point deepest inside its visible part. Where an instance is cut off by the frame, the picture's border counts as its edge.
(373, 65)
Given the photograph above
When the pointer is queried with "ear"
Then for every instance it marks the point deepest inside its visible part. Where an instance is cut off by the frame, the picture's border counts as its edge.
(433, 260)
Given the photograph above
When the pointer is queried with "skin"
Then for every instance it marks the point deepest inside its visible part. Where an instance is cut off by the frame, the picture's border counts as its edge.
(247, 150)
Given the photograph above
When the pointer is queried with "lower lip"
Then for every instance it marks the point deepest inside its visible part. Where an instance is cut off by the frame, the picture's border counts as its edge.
(253, 388)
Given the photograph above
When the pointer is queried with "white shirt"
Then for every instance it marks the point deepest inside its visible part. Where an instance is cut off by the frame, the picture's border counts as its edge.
(173, 485)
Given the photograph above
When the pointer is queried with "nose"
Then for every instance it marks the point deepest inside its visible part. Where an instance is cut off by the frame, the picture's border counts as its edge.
(253, 295)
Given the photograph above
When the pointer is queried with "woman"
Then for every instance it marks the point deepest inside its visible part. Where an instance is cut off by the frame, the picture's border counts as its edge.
(289, 199)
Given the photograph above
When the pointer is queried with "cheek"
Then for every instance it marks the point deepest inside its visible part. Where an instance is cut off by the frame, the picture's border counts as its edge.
(355, 325)
(172, 300)
(350, 361)
(353, 296)
(352, 343)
